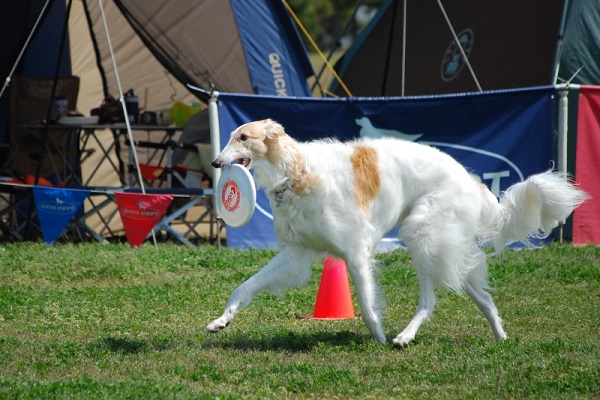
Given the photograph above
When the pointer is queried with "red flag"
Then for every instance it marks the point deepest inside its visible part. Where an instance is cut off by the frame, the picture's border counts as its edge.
(140, 213)
(586, 218)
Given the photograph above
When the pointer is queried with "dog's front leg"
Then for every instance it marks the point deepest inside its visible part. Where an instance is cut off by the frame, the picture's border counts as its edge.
(369, 298)
(238, 300)
(289, 268)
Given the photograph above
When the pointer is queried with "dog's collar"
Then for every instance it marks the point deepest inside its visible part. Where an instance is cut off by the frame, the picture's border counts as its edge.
(279, 192)
(279, 196)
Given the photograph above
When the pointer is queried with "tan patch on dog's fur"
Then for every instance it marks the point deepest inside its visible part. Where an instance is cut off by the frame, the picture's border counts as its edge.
(366, 175)
(303, 182)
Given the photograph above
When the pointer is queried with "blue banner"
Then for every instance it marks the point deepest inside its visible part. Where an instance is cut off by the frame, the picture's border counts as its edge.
(501, 137)
(277, 61)
(56, 208)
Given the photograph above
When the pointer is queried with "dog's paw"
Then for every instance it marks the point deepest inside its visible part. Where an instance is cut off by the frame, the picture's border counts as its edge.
(402, 341)
(217, 325)
(400, 344)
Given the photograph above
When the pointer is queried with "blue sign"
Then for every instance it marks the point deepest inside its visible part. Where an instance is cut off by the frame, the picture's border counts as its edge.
(500, 137)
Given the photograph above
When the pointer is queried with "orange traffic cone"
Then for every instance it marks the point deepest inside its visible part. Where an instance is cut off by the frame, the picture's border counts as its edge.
(334, 300)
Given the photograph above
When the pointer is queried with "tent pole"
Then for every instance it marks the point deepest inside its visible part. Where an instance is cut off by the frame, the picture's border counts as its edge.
(215, 144)
(389, 50)
(403, 49)
(560, 42)
(563, 128)
(122, 99)
(90, 24)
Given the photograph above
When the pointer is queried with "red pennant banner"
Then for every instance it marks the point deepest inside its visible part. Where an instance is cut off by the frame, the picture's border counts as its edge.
(140, 213)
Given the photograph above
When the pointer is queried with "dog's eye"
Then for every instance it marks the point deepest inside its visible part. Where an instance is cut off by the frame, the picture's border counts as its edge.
(243, 137)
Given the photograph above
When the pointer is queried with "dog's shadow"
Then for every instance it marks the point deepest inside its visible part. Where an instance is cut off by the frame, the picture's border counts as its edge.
(127, 346)
(287, 341)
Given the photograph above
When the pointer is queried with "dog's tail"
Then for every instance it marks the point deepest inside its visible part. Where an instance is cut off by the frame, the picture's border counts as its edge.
(528, 209)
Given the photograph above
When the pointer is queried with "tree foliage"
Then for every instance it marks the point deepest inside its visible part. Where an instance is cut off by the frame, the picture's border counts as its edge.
(325, 20)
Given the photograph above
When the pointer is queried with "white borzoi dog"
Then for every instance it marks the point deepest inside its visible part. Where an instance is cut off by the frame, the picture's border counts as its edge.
(341, 198)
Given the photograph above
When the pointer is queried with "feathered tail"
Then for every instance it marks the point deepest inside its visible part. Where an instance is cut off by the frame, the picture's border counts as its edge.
(529, 209)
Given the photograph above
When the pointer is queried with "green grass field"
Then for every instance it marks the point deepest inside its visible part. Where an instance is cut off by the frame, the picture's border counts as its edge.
(108, 322)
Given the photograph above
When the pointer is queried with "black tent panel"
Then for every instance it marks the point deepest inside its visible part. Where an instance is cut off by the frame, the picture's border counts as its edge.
(509, 44)
(581, 49)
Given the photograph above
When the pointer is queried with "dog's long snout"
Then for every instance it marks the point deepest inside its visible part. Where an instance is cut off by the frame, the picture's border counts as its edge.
(217, 163)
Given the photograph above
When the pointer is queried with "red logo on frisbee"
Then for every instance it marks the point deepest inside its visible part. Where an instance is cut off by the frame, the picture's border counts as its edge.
(230, 196)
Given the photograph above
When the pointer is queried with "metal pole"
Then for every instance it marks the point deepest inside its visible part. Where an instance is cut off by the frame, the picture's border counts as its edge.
(122, 99)
(563, 128)
(215, 144)
(404, 19)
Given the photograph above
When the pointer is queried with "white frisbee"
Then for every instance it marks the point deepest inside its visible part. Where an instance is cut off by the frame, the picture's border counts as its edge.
(236, 196)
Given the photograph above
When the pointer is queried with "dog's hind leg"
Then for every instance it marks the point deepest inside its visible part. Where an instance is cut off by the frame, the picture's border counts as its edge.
(367, 291)
(424, 311)
(475, 286)
(426, 235)
(287, 269)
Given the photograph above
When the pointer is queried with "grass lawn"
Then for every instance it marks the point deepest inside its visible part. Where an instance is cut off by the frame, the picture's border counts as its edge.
(98, 321)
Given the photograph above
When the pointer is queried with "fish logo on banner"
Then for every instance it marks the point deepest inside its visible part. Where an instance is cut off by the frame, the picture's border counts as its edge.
(140, 213)
(56, 207)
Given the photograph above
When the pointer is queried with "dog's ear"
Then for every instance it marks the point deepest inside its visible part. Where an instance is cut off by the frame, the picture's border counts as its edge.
(273, 129)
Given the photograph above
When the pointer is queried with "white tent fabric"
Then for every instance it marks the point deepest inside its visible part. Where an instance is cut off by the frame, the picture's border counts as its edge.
(144, 73)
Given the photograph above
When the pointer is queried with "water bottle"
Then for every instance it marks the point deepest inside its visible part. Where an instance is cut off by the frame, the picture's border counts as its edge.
(131, 104)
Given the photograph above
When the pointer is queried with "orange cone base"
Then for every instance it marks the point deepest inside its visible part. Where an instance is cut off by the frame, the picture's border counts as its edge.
(334, 300)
